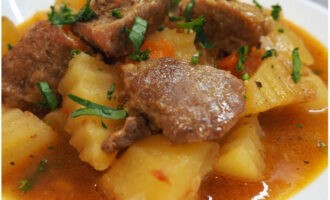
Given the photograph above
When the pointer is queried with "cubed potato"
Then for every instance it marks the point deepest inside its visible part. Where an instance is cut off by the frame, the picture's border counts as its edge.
(90, 78)
(242, 154)
(183, 42)
(320, 102)
(284, 42)
(272, 86)
(155, 169)
(10, 34)
(23, 135)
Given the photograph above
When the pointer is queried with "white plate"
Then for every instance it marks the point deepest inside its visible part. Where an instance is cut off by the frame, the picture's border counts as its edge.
(308, 15)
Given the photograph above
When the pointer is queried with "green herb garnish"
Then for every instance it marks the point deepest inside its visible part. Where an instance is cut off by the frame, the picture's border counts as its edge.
(111, 91)
(243, 53)
(9, 47)
(280, 30)
(75, 52)
(48, 95)
(27, 184)
(296, 66)
(269, 53)
(245, 76)
(188, 9)
(197, 26)
(276, 10)
(136, 36)
(116, 13)
(299, 126)
(257, 4)
(65, 16)
(104, 125)
(96, 109)
(194, 59)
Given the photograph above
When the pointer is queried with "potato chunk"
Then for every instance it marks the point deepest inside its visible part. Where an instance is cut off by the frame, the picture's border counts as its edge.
(90, 79)
(272, 86)
(242, 156)
(23, 134)
(183, 42)
(156, 169)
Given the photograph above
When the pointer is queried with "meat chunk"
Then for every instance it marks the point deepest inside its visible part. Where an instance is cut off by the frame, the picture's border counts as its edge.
(231, 24)
(189, 103)
(135, 128)
(106, 32)
(42, 54)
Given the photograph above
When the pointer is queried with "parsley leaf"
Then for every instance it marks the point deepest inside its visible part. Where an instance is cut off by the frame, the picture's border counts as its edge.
(257, 4)
(187, 11)
(65, 16)
(27, 184)
(136, 36)
(269, 53)
(243, 53)
(194, 59)
(75, 52)
(111, 91)
(116, 13)
(96, 109)
(48, 95)
(197, 26)
(245, 76)
(276, 10)
(296, 66)
(9, 47)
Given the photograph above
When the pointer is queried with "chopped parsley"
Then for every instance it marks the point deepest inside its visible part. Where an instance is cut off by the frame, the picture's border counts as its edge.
(243, 53)
(197, 26)
(194, 59)
(136, 36)
(188, 9)
(75, 52)
(276, 10)
(111, 91)
(257, 4)
(27, 184)
(65, 16)
(245, 76)
(174, 4)
(104, 125)
(48, 95)
(96, 109)
(269, 53)
(116, 13)
(280, 30)
(296, 66)
(9, 47)
(299, 126)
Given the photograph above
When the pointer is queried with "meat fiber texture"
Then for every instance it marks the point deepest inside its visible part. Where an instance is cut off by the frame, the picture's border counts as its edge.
(107, 33)
(42, 54)
(189, 103)
(231, 24)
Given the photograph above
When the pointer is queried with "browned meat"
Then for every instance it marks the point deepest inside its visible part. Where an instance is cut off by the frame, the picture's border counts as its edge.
(188, 103)
(231, 24)
(42, 54)
(105, 32)
(135, 128)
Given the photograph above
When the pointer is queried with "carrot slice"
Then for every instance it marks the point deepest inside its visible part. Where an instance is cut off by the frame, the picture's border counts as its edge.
(159, 48)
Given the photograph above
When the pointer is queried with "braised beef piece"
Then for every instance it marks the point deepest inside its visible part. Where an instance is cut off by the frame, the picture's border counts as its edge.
(189, 103)
(231, 24)
(107, 33)
(42, 54)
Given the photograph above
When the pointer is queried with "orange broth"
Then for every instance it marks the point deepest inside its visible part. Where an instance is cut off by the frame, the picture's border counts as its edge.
(293, 157)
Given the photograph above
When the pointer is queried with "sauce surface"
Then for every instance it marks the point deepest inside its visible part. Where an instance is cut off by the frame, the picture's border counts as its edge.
(292, 142)
(293, 157)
